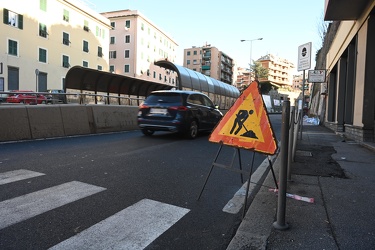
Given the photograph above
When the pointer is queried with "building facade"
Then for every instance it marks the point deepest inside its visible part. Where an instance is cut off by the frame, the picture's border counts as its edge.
(136, 43)
(211, 62)
(41, 40)
(280, 71)
(350, 63)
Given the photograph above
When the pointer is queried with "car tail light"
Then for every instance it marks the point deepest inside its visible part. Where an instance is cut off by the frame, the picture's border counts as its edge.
(142, 106)
(178, 108)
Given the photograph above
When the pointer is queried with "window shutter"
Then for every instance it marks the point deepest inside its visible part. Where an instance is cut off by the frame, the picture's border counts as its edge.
(6, 16)
(20, 22)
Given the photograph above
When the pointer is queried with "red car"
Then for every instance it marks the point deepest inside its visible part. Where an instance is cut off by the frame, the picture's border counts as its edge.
(26, 97)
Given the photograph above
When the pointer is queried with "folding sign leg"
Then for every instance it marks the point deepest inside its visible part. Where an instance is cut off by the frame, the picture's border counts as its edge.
(248, 186)
(240, 162)
(209, 173)
(273, 172)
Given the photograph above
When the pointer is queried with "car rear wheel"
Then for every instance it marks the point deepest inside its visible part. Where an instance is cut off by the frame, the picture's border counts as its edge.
(147, 132)
(193, 130)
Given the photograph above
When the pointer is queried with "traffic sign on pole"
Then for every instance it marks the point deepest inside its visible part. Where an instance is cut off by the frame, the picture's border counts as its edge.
(246, 124)
(304, 57)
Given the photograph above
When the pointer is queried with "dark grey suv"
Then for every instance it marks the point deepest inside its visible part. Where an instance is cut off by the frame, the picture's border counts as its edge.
(186, 112)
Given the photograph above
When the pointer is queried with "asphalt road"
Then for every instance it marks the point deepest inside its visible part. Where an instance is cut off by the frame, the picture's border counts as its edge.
(122, 189)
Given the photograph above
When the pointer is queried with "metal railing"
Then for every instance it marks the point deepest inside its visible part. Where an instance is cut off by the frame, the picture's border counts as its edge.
(71, 98)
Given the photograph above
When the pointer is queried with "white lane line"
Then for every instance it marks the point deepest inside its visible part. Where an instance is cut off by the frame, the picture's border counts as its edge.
(26, 206)
(17, 175)
(236, 203)
(132, 228)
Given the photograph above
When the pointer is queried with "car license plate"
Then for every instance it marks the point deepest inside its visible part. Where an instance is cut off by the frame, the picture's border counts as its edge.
(158, 111)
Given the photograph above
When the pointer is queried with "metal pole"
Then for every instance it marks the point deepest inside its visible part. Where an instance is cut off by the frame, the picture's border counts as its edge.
(303, 102)
(281, 204)
(290, 143)
(251, 48)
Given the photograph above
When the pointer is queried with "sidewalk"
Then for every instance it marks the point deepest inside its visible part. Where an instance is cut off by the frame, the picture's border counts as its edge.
(340, 175)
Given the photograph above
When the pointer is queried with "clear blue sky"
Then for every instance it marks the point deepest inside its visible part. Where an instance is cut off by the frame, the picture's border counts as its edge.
(283, 25)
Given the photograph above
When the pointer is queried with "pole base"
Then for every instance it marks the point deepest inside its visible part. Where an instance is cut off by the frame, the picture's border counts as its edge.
(277, 226)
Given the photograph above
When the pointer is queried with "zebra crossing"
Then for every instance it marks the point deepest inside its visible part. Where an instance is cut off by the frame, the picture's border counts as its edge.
(134, 227)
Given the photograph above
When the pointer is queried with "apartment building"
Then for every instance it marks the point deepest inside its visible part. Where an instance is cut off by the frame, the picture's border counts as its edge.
(242, 78)
(211, 62)
(350, 63)
(280, 71)
(41, 40)
(136, 43)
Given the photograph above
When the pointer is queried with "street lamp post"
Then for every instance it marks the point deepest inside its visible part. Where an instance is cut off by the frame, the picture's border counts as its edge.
(251, 48)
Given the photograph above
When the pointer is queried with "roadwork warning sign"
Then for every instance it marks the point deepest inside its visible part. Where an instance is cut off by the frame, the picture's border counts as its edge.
(246, 124)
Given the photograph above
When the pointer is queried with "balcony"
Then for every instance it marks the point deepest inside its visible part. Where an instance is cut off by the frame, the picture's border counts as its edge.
(206, 67)
(344, 9)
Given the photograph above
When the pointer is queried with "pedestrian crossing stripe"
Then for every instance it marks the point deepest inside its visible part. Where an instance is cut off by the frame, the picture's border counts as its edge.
(246, 124)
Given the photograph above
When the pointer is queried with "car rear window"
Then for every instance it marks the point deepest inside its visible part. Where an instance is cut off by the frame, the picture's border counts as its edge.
(163, 98)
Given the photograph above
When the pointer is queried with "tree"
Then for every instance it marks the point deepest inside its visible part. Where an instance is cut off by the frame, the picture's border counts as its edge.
(265, 87)
(259, 71)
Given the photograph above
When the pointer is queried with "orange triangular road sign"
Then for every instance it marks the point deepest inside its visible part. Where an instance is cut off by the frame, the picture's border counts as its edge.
(246, 124)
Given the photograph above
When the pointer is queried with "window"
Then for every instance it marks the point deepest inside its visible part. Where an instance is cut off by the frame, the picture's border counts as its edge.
(154, 75)
(43, 5)
(66, 39)
(12, 47)
(100, 67)
(85, 46)
(127, 24)
(113, 40)
(100, 51)
(43, 30)
(142, 26)
(99, 32)
(85, 64)
(42, 55)
(188, 53)
(112, 54)
(65, 61)
(127, 53)
(66, 15)
(113, 25)
(195, 52)
(12, 19)
(160, 77)
(86, 25)
(111, 68)
(127, 68)
(127, 39)
(188, 62)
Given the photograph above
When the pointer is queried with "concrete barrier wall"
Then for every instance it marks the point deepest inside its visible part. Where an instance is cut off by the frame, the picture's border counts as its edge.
(23, 122)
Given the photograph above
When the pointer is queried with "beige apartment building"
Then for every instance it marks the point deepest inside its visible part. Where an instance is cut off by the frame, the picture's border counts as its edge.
(136, 43)
(211, 62)
(350, 64)
(280, 71)
(41, 40)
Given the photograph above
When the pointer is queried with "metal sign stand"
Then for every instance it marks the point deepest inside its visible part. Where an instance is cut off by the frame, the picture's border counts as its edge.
(231, 168)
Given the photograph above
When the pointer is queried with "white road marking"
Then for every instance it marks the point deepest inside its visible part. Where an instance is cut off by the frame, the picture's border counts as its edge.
(236, 203)
(132, 228)
(17, 175)
(26, 206)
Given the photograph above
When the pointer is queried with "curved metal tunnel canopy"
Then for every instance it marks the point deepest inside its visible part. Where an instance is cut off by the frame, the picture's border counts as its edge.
(81, 78)
(194, 80)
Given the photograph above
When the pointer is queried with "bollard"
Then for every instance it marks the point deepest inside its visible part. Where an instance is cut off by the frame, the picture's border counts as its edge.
(290, 142)
(281, 202)
(295, 137)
